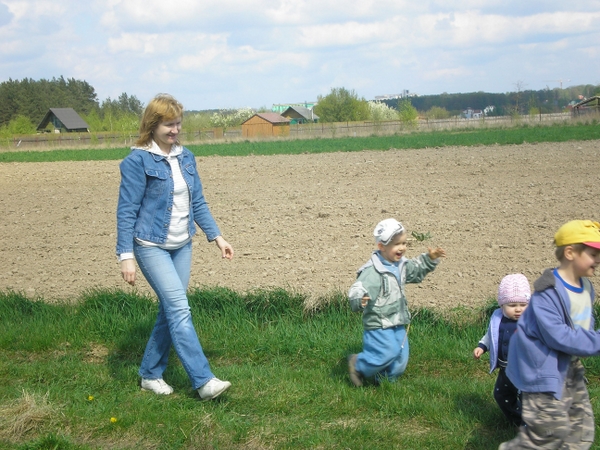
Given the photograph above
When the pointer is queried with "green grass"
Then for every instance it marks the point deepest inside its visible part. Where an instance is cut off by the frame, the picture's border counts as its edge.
(287, 366)
(67, 369)
(467, 137)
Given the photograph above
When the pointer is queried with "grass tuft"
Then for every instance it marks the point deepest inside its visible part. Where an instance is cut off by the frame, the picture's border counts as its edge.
(26, 415)
(285, 355)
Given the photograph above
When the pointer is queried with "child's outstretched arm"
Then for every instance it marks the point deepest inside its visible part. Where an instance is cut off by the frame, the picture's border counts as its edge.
(417, 268)
(436, 253)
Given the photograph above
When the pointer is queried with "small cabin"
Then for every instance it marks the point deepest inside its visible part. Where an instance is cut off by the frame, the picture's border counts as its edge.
(63, 120)
(266, 124)
(300, 114)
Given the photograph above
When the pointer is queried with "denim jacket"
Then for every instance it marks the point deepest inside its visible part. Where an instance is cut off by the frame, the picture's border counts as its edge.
(146, 199)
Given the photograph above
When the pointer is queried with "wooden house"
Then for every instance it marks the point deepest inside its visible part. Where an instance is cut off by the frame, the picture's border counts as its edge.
(300, 114)
(63, 119)
(266, 124)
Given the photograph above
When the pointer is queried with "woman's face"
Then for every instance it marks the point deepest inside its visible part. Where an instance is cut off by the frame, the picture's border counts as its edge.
(165, 134)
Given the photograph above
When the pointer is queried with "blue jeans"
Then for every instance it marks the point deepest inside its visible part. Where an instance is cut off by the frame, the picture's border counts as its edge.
(168, 273)
(385, 353)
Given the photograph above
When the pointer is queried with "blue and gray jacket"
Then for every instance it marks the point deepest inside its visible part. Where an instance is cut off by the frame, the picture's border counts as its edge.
(387, 306)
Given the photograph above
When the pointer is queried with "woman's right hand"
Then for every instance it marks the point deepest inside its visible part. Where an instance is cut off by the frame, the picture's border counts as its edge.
(128, 270)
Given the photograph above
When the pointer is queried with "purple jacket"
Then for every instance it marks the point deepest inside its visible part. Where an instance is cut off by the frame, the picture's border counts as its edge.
(490, 340)
(542, 348)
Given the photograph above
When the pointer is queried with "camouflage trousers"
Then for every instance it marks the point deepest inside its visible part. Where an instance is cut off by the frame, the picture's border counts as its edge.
(563, 424)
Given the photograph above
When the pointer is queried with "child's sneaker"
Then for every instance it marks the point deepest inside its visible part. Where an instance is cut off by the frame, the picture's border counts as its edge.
(213, 389)
(157, 386)
(355, 377)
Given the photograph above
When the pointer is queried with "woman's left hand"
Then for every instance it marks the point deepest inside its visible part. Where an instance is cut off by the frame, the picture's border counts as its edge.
(226, 248)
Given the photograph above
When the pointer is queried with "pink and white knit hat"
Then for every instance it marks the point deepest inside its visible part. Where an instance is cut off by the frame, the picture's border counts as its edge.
(514, 288)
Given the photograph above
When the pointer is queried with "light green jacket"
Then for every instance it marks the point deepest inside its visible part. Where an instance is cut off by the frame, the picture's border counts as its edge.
(387, 306)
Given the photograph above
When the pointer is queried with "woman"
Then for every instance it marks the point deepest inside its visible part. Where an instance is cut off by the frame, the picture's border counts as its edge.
(160, 199)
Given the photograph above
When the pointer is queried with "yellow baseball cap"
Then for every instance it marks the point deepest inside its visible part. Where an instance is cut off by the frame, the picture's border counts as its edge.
(578, 232)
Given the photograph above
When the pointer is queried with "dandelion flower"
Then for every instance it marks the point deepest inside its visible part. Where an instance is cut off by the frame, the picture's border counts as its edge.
(113, 420)
(90, 398)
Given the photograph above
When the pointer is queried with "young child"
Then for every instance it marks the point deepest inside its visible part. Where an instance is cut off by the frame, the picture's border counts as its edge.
(556, 329)
(379, 293)
(513, 297)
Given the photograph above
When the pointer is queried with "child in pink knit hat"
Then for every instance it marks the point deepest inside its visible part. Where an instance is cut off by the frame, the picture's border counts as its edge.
(513, 297)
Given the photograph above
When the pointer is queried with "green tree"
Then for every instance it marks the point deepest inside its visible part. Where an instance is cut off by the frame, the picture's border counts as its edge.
(407, 112)
(130, 104)
(18, 125)
(341, 105)
(122, 114)
(32, 99)
(437, 113)
(194, 121)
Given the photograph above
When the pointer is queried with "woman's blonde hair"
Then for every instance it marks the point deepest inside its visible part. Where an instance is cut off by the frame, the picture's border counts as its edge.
(162, 108)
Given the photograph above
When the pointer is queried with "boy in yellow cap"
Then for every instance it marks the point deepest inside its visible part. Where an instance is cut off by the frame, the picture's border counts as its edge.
(556, 330)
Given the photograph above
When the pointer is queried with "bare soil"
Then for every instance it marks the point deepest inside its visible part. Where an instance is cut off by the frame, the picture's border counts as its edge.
(304, 223)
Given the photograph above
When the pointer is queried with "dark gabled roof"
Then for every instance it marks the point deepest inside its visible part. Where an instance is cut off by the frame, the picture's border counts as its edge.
(306, 113)
(67, 116)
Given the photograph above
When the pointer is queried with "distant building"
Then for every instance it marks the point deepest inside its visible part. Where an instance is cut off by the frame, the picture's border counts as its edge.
(405, 94)
(471, 113)
(488, 110)
(266, 125)
(281, 107)
(63, 120)
(300, 114)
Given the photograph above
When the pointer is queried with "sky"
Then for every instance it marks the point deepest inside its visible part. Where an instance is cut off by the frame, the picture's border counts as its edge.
(221, 54)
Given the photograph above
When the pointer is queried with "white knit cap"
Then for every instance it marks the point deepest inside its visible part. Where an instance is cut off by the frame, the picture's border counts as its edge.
(514, 288)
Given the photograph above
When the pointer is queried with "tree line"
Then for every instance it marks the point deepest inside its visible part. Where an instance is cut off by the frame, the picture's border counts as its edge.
(342, 105)
(520, 101)
(23, 104)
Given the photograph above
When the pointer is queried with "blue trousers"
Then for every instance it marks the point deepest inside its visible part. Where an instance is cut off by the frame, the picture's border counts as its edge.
(385, 353)
(168, 273)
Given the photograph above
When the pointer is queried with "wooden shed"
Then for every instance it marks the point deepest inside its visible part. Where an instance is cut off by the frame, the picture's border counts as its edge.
(300, 114)
(266, 124)
(63, 119)
(587, 106)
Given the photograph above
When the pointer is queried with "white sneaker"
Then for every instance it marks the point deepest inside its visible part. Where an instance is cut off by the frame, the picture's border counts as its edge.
(213, 389)
(157, 386)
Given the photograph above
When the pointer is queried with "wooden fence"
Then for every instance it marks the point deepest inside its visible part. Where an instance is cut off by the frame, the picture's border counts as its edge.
(297, 131)
(354, 129)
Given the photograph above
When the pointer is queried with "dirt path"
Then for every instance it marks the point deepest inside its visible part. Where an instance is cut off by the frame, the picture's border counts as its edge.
(304, 222)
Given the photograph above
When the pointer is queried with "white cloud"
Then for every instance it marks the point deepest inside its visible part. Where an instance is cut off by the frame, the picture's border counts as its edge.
(139, 43)
(222, 53)
(342, 34)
